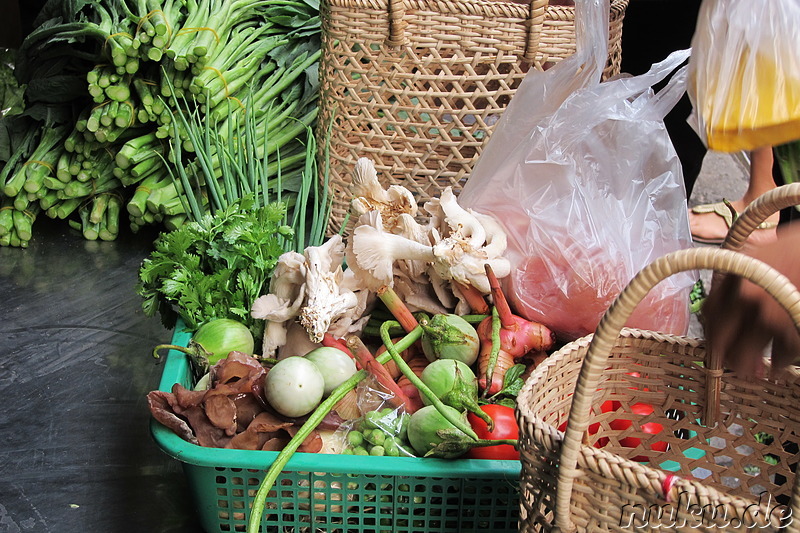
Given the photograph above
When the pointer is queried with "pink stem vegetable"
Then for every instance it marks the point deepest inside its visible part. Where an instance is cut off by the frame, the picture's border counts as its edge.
(332, 342)
(474, 298)
(368, 362)
(517, 337)
(398, 309)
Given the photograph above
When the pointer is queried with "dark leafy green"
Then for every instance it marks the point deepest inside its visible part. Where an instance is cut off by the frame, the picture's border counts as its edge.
(512, 384)
(215, 268)
(11, 102)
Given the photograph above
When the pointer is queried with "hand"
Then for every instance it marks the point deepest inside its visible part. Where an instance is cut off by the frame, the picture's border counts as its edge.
(740, 318)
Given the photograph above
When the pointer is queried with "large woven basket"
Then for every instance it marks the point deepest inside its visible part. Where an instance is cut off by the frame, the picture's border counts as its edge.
(727, 449)
(418, 85)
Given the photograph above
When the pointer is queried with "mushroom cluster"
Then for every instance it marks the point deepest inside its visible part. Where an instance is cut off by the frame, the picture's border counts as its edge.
(311, 291)
(430, 264)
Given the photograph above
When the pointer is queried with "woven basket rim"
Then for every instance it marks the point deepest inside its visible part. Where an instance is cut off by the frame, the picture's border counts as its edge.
(467, 7)
(557, 357)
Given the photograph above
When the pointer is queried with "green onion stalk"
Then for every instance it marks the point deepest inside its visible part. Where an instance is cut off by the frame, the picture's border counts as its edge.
(277, 466)
(113, 76)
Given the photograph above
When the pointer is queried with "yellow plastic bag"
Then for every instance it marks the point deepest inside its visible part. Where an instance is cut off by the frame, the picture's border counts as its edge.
(744, 73)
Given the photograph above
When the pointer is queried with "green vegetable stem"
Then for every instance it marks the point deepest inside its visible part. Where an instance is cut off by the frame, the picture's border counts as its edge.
(424, 390)
(110, 76)
(312, 422)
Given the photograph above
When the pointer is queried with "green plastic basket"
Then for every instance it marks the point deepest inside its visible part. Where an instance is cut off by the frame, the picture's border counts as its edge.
(340, 493)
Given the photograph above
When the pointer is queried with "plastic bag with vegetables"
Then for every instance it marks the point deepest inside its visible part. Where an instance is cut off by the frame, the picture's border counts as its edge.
(587, 184)
(382, 429)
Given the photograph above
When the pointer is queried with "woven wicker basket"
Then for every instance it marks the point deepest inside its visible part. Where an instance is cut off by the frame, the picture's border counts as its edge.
(728, 446)
(418, 85)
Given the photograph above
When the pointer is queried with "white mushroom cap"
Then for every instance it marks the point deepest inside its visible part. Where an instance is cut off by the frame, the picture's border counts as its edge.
(282, 304)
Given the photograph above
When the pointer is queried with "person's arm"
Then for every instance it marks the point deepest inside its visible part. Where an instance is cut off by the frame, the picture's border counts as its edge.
(740, 318)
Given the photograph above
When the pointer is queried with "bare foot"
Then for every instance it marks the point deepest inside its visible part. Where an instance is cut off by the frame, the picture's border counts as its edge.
(712, 228)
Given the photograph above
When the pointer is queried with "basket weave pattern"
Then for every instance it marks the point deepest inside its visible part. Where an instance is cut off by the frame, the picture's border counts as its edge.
(733, 462)
(418, 85)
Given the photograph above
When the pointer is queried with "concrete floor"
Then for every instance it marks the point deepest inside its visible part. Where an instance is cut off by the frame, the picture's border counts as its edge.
(723, 176)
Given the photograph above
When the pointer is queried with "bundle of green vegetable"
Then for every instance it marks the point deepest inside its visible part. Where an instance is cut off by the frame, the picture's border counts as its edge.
(218, 263)
(103, 81)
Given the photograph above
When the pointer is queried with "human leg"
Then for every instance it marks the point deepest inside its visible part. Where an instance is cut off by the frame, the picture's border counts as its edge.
(708, 222)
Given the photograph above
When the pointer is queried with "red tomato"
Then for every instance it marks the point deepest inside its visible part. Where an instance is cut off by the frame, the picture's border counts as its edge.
(505, 427)
(650, 427)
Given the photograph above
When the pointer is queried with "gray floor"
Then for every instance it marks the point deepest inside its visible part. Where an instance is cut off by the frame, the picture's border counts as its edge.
(723, 176)
(75, 365)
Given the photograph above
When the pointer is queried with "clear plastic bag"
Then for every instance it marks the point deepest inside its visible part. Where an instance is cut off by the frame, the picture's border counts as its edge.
(744, 74)
(584, 177)
(382, 428)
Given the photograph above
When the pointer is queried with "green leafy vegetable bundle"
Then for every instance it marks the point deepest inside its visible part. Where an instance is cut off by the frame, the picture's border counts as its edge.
(105, 81)
(215, 268)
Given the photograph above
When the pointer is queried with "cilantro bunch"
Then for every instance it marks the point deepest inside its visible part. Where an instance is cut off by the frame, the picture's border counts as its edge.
(215, 267)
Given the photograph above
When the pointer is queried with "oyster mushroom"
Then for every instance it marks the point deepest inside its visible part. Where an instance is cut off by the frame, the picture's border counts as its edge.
(465, 242)
(373, 251)
(326, 298)
(369, 195)
(353, 322)
(297, 341)
(282, 304)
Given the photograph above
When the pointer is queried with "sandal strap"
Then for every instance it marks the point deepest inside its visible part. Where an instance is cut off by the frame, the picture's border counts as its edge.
(722, 209)
(718, 208)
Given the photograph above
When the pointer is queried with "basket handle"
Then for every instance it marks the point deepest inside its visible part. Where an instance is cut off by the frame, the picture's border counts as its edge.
(594, 363)
(745, 224)
(533, 24)
(397, 23)
(758, 211)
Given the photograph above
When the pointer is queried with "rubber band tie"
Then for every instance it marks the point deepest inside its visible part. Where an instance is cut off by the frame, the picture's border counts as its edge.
(152, 14)
(146, 18)
(667, 484)
(191, 30)
(142, 21)
(126, 34)
(237, 101)
(43, 163)
(29, 215)
(133, 114)
(221, 77)
(98, 106)
(6, 207)
(143, 188)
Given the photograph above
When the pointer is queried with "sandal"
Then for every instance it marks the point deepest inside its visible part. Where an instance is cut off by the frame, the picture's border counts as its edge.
(727, 213)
